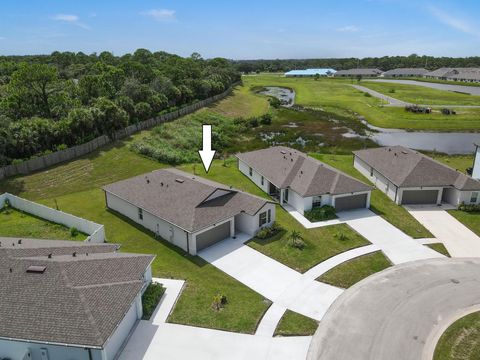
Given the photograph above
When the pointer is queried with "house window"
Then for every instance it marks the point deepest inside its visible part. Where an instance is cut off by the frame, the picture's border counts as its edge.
(140, 214)
(262, 219)
(269, 215)
(474, 197)
(316, 201)
(261, 180)
(371, 171)
(250, 171)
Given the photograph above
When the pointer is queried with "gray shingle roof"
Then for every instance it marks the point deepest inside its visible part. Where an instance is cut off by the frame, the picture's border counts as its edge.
(456, 73)
(77, 300)
(286, 167)
(185, 203)
(408, 168)
(355, 72)
(406, 72)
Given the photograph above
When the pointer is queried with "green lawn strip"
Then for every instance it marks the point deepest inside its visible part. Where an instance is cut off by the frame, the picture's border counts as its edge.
(150, 299)
(321, 243)
(380, 203)
(439, 247)
(295, 324)
(457, 162)
(461, 341)
(15, 223)
(470, 219)
(203, 281)
(352, 271)
(417, 94)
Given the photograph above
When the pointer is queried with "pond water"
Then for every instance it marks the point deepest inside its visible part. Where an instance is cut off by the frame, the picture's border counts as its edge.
(286, 96)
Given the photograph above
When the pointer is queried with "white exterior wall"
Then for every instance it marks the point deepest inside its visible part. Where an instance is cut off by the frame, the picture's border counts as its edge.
(476, 165)
(95, 231)
(256, 177)
(298, 202)
(466, 196)
(115, 342)
(15, 350)
(380, 181)
(249, 224)
(167, 231)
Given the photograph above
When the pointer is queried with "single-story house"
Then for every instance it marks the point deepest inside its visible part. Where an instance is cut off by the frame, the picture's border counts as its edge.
(409, 177)
(67, 299)
(476, 163)
(405, 72)
(293, 178)
(455, 74)
(310, 72)
(186, 210)
(359, 72)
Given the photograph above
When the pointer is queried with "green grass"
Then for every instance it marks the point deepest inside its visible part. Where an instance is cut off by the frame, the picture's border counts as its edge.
(321, 243)
(461, 341)
(379, 202)
(337, 96)
(417, 94)
(457, 162)
(352, 271)
(15, 223)
(294, 324)
(469, 219)
(439, 247)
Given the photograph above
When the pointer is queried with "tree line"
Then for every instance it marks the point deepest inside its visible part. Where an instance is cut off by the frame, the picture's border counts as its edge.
(383, 63)
(49, 102)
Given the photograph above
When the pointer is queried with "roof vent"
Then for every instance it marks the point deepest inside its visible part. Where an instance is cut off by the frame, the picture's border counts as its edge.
(36, 269)
(404, 152)
(50, 255)
(283, 152)
(179, 181)
(74, 254)
(161, 184)
(19, 241)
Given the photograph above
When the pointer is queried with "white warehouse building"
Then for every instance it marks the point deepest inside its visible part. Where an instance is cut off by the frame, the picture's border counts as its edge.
(188, 211)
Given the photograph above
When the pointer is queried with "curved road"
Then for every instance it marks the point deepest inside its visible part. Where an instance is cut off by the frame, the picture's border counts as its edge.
(398, 313)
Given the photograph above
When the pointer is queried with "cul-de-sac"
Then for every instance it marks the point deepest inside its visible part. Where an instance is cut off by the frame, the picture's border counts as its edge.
(239, 181)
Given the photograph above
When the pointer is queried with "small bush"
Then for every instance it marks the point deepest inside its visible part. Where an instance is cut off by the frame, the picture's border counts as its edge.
(73, 231)
(62, 147)
(469, 207)
(253, 122)
(266, 119)
(367, 94)
(268, 231)
(219, 302)
(326, 212)
(16, 161)
(341, 236)
(296, 240)
(391, 91)
(274, 102)
(150, 299)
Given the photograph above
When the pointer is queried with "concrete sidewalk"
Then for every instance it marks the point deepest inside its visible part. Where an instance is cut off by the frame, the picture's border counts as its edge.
(459, 240)
(395, 244)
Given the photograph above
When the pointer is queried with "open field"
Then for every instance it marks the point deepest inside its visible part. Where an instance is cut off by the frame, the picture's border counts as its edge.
(337, 96)
(15, 223)
(295, 324)
(422, 95)
(352, 271)
(461, 341)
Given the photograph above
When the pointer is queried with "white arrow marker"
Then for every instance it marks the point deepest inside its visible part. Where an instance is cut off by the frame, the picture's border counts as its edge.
(207, 154)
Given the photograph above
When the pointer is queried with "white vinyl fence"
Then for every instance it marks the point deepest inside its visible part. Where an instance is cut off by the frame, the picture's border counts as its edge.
(95, 232)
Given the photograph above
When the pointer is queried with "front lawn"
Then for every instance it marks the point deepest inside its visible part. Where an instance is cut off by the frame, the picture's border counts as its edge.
(380, 203)
(469, 219)
(295, 324)
(439, 247)
(15, 223)
(461, 341)
(352, 271)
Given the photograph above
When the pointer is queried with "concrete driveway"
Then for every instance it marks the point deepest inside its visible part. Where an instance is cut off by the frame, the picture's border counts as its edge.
(459, 240)
(399, 312)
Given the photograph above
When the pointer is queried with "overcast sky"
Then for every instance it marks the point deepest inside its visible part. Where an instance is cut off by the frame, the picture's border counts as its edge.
(243, 29)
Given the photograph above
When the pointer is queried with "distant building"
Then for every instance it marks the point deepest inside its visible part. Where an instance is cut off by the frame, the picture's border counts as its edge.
(405, 72)
(476, 163)
(455, 74)
(359, 72)
(68, 299)
(310, 72)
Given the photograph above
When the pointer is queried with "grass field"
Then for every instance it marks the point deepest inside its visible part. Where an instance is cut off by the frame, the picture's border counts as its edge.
(15, 223)
(352, 271)
(337, 96)
(380, 203)
(461, 341)
(422, 95)
(295, 324)
(469, 219)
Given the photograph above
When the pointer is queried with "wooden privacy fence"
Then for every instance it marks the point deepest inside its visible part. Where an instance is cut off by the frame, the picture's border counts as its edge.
(45, 161)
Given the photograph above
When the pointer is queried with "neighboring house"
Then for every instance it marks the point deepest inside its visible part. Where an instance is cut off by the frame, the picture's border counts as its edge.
(409, 177)
(455, 74)
(404, 72)
(186, 210)
(476, 163)
(67, 299)
(359, 72)
(310, 72)
(302, 182)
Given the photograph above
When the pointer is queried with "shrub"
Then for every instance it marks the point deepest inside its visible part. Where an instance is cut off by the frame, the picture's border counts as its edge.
(266, 119)
(326, 212)
(469, 207)
(62, 147)
(391, 91)
(16, 161)
(274, 102)
(150, 299)
(253, 122)
(269, 231)
(367, 94)
(73, 231)
(296, 240)
(341, 236)
(219, 302)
